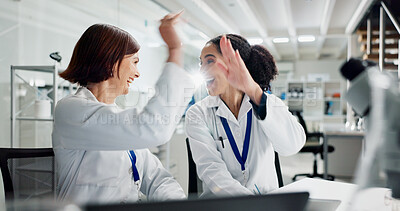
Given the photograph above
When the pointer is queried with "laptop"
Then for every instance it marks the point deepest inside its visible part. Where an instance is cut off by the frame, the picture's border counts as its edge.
(295, 201)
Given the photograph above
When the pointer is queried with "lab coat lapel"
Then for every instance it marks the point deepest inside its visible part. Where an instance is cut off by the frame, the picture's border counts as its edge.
(244, 107)
(223, 111)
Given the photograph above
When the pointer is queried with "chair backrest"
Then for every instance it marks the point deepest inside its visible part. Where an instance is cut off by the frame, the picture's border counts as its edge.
(278, 170)
(192, 185)
(193, 189)
(19, 168)
(301, 121)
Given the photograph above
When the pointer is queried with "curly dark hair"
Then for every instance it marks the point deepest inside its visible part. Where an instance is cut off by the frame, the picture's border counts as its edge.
(258, 59)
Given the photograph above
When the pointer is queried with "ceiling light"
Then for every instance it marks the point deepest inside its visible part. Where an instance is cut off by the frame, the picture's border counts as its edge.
(255, 41)
(281, 40)
(306, 38)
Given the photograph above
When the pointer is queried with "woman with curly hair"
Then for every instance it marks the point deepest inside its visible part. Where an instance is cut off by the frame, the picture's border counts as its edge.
(234, 132)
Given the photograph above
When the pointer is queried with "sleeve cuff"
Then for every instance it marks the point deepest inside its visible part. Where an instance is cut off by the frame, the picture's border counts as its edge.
(261, 110)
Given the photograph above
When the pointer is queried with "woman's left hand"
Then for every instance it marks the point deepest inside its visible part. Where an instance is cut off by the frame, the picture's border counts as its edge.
(171, 38)
(237, 73)
(168, 32)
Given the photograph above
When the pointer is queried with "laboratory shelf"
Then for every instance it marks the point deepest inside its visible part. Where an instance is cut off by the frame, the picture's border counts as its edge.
(37, 166)
(46, 69)
(34, 118)
(20, 79)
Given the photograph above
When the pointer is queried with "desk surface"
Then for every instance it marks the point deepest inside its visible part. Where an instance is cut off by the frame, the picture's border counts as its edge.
(329, 134)
(339, 130)
(369, 199)
(344, 133)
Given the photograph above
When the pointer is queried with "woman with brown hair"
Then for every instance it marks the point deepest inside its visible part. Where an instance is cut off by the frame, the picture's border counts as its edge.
(100, 148)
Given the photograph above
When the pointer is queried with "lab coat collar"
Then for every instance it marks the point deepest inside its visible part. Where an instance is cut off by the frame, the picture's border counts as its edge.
(85, 93)
(223, 110)
(244, 107)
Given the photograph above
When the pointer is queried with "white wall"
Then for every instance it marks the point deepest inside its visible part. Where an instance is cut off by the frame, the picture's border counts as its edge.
(31, 29)
(304, 67)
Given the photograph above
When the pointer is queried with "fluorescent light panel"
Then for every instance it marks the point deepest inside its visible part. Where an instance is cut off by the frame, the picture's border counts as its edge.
(306, 38)
(255, 41)
(281, 40)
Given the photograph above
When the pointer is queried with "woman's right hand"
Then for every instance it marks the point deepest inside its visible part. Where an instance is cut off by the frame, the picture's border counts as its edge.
(171, 38)
(236, 71)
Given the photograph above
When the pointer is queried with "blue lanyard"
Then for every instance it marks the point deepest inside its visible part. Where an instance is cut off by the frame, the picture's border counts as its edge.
(241, 159)
(135, 172)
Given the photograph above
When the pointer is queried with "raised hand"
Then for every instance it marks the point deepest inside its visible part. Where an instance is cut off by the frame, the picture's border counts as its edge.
(168, 32)
(171, 38)
(236, 71)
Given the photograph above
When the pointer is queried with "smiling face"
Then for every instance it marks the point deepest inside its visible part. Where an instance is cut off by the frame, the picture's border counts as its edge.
(127, 73)
(216, 81)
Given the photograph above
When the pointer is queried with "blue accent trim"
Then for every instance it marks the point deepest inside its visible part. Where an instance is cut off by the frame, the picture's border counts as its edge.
(241, 159)
(135, 172)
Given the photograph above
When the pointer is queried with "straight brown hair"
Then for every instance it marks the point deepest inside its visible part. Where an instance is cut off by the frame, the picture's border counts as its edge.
(100, 48)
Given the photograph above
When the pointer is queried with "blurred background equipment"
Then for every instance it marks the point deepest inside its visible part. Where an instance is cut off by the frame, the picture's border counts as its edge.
(375, 96)
(56, 56)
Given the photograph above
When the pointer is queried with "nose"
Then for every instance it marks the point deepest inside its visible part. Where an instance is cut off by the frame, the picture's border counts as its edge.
(137, 74)
(203, 68)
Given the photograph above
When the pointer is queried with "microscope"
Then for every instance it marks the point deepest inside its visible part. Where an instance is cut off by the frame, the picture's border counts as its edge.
(375, 95)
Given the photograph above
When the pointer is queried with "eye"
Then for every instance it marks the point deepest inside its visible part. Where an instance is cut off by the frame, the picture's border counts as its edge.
(135, 60)
(209, 61)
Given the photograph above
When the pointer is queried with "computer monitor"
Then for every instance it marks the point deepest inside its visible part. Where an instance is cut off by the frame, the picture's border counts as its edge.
(272, 202)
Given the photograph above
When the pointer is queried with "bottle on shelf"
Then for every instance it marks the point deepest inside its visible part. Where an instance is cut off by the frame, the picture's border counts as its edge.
(328, 110)
(301, 93)
(289, 94)
(295, 93)
(283, 96)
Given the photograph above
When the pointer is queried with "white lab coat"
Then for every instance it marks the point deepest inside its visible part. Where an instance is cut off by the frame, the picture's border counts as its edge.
(91, 139)
(217, 166)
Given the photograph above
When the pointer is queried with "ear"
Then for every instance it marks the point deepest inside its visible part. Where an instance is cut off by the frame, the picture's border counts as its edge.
(115, 70)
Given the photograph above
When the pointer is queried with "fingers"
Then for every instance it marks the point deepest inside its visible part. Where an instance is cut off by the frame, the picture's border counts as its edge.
(178, 14)
(172, 17)
(224, 69)
(231, 53)
(239, 59)
(222, 44)
(227, 51)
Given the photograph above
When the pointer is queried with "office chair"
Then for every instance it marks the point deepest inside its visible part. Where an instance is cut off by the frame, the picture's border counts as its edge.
(33, 168)
(193, 179)
(314, 147)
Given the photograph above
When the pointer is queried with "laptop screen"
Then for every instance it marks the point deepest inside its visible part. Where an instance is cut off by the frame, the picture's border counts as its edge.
(272, 202)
